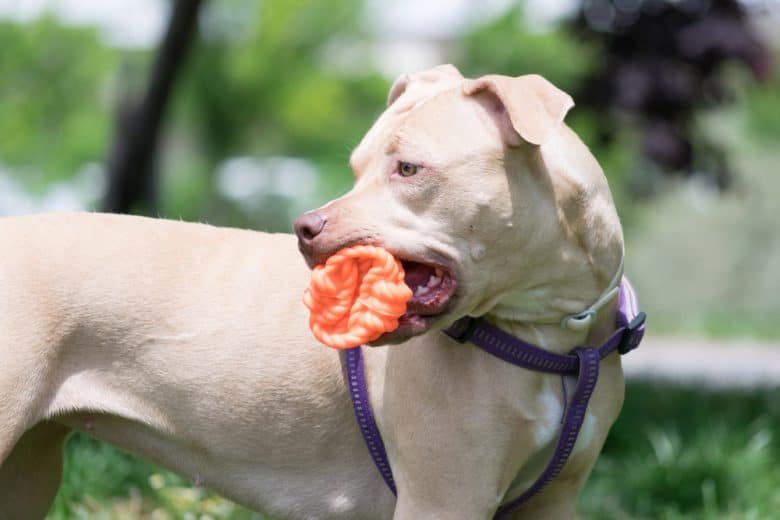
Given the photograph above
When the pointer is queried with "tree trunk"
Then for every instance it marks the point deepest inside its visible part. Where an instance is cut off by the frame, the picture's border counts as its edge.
(131, 165)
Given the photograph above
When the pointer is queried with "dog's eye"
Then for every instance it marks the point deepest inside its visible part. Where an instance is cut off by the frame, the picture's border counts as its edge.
(407, 169)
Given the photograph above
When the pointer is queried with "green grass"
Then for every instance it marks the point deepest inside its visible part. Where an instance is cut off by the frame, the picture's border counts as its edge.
(681, 453)
(674, 453)
(102, 483)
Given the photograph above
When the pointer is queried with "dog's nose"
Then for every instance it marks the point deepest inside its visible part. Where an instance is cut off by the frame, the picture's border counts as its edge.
(309, 225)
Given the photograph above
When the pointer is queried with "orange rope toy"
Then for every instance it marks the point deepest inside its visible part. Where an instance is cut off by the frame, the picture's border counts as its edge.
(357, 295)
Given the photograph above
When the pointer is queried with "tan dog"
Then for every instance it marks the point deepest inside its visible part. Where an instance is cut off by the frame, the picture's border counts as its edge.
(188, 344)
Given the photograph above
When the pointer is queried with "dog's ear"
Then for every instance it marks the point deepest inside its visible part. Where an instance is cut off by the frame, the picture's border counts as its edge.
(530, 107)
(426, 77)
(398, 88)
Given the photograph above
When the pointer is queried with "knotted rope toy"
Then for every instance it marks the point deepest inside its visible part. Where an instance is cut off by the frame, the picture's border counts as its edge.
(357, 295)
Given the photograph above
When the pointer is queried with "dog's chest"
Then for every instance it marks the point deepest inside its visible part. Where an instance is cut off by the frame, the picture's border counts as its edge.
(547, 430)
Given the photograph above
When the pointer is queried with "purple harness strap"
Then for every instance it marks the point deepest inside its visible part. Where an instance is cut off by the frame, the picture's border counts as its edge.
(359, 392)
(582, 362)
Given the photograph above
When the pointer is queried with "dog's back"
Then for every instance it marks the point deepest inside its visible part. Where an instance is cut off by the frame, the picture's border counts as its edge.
(180, 342)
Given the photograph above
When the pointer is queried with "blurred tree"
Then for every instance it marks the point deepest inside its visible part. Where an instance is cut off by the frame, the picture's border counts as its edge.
(662, 63)
(640, 71)
(763, 111)
(132, 163)
(265, 80)
(509, 45)
(54, 83)
(296, 78)
(269, 74)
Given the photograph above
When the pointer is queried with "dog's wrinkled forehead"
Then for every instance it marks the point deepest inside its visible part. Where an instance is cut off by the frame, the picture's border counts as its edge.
(412, 89)
(527, 109)
(407, 93)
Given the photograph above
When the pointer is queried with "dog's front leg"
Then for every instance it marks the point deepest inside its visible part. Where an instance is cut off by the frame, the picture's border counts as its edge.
(408, 509)
(446, 495)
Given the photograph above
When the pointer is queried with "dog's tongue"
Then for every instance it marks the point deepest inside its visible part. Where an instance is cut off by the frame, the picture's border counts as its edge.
(416, 274)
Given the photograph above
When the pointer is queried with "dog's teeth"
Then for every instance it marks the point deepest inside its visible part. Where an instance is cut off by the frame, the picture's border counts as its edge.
(421, 290)
(433, 281)
(439, 272)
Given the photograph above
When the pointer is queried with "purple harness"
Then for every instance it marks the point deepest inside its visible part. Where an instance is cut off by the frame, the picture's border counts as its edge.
(582, 362)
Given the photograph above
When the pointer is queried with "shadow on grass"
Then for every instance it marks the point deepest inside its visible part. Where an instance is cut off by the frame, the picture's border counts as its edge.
(674, 453)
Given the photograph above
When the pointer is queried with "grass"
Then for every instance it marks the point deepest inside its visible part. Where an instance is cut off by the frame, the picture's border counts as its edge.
(674, 453)
(682, 453)
(102, 483)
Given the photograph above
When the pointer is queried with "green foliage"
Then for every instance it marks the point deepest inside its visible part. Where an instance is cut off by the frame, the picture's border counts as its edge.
(763, 111)
(262, 84)
(103, 483)
(272, 91)
(684, 453)
(712, 255)
(509, 46)
(53, 94)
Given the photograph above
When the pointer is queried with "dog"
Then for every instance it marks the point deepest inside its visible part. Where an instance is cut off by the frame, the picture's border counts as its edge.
(188, 344)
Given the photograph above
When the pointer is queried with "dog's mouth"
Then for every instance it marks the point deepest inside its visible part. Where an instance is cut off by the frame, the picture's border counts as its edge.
(433, 288)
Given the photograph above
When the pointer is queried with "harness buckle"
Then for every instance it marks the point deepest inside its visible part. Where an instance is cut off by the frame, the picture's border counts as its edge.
(463, 328)
(633, 334)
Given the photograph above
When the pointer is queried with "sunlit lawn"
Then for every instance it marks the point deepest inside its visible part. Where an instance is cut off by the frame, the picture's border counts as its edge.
(103, 483)
(685, 453)
(674, 453)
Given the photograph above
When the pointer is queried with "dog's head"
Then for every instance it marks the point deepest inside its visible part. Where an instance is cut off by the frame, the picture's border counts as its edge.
(489, 200)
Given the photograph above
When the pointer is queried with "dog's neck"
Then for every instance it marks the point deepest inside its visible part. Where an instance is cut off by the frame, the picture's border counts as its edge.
(552, 337)
(542, 317)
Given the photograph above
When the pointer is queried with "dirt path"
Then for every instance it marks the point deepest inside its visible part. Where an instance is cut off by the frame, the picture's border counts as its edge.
(714, 363)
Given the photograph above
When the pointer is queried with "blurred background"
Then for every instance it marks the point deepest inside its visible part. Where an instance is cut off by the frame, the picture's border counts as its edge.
(243, 113)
